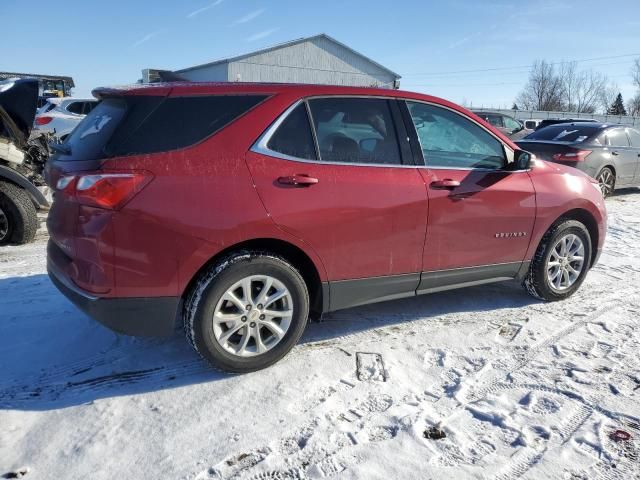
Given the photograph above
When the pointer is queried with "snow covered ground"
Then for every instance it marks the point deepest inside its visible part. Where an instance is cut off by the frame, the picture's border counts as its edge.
(518, 388)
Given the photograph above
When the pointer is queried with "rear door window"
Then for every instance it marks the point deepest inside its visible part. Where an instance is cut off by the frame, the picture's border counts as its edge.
(355, 130)
(616, 137)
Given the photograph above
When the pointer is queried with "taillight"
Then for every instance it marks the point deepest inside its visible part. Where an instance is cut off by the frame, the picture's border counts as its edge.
(575, 156)
(106, 189)
(43, 120)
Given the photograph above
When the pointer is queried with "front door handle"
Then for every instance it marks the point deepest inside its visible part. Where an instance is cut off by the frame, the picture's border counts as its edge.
(298, 180)
(446, 184)
(615, 153)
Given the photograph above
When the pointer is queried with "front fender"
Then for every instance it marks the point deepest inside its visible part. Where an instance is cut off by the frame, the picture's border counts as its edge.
(38, 199)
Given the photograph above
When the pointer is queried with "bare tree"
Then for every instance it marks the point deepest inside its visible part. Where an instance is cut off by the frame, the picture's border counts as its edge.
(544, 89)
(633, 106)
(635, 72)
(582, 90)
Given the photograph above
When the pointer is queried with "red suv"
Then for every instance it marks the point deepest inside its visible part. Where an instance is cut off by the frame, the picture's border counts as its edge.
(243, 210)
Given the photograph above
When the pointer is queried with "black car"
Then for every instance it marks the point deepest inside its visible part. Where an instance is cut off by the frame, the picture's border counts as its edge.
(609, 153)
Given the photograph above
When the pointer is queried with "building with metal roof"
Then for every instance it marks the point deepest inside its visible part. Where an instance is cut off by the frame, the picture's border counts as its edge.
(319, 59)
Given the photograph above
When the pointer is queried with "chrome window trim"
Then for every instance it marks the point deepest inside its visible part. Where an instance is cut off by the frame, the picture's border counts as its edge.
(260, 145)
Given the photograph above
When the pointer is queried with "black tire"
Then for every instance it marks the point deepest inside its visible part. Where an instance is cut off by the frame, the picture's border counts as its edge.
(20, 214)
(607, 181)
(537, 282)
(207, 292)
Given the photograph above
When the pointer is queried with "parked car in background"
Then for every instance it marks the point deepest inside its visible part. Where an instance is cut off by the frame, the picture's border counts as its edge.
(511, 127)
(59, 116)
(554, 121)
(531, 124)
(243, 210)
(608, 153)
(21, 162)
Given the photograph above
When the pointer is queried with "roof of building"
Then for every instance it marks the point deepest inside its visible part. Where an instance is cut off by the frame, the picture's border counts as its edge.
(288, 44)
(6, 75)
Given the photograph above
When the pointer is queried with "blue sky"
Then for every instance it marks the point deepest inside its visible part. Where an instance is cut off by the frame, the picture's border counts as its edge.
(103, 43)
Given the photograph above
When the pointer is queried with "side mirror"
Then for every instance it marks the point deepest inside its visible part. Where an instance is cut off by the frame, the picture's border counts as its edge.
(521, 160)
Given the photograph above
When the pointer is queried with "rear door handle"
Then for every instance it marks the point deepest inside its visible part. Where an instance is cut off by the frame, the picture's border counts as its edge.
(446, 184)
(298, 180)
(615, 153)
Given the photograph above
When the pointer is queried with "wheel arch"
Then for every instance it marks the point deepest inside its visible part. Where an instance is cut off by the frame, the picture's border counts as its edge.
(588, 220)
(7, 174)
(611, 167)
(318, 294)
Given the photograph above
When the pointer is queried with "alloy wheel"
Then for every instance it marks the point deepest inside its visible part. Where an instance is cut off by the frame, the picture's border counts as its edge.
(253, 315)
(606, 180)
(4, 225)
(566, 262)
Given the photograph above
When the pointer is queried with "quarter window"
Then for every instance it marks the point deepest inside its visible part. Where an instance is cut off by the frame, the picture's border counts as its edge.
(294, 137)
(355, 130)
(449, 140)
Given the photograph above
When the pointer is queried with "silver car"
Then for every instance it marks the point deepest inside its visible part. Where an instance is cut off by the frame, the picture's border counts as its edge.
(608, 153)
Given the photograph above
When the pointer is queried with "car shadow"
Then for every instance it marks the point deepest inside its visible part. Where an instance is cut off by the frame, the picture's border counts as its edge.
(53, 356)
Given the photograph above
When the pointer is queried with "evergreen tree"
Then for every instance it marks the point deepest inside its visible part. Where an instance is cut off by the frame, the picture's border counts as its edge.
(617, 107)
(515, 107)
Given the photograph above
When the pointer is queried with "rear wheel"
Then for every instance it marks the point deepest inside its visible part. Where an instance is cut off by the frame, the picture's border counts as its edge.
(18, 217)
(561, 262)
(247, 312)
(607, 181)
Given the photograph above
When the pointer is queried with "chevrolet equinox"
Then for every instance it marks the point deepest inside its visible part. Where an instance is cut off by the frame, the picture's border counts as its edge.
(242, 210)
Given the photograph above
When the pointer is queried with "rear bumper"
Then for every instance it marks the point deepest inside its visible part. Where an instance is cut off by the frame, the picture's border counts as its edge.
(130, 316)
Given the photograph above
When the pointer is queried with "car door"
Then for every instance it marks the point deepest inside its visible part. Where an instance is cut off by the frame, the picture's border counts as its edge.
(331, 172)
(481, 215)
(623, 157)
(634, 139)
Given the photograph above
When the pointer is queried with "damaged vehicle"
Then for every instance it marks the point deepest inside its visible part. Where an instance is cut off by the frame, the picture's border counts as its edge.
(22, 162)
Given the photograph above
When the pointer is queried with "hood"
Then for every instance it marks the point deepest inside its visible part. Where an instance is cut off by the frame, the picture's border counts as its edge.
(18, 105)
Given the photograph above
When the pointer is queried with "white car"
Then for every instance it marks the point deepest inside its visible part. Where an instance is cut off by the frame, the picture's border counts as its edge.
(531, 124)
(59, 116)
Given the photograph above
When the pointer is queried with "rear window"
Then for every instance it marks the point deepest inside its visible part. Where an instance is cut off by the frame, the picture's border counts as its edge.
(88, 139)
(146, 124)
(565, 133)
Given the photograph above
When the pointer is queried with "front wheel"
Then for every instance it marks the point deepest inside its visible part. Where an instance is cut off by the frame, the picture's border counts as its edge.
(247, 312)
(561, 262)
(18, 217)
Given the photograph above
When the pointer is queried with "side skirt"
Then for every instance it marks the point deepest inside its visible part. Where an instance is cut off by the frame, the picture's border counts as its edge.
(343, 294)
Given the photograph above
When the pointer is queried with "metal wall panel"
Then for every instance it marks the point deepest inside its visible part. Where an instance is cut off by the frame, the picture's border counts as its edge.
(317, 60)
(208, 73)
